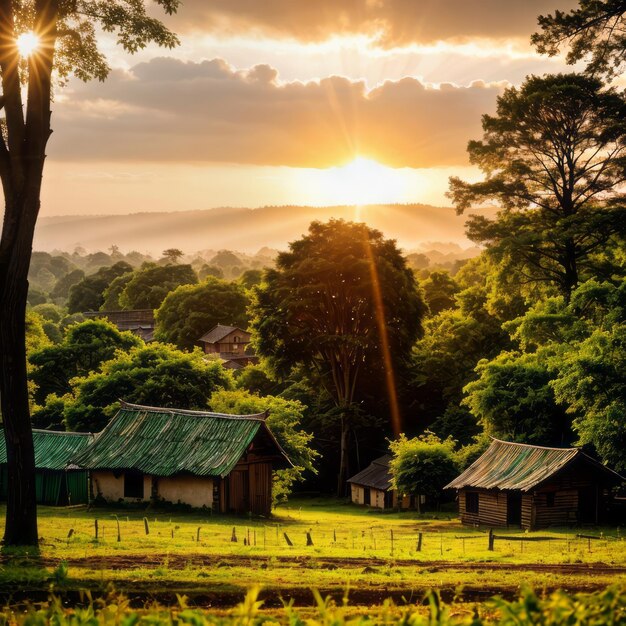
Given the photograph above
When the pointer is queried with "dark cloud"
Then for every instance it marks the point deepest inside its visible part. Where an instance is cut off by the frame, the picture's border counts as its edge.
(170, 110)
(397, 22)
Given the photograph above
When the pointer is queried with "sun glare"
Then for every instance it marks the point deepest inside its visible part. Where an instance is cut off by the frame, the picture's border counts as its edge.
(27, 43)
(363, 181)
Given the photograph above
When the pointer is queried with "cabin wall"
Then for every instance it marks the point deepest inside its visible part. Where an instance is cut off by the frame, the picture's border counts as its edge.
(492, 508)
(357, 494)
(110, 486)
(248, 488)
(195, 491)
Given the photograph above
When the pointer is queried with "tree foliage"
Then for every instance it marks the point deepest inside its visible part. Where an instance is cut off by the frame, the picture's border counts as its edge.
(423, 465)
(595, 31)
(151, 284)
(88, 294)
(554, 157)
(84, 348)
(189, 311)
(343, 304)
(154, 375)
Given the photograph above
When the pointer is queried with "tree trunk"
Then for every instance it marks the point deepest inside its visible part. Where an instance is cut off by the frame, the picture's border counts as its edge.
(344, 457)
(21, 518)
(570, 281)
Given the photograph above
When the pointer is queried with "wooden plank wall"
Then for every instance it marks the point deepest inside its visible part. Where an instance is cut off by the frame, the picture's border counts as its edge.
(564, 510)
(492, 507)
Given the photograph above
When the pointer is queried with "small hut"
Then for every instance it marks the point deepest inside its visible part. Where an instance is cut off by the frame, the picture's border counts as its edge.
(56, 482)
(372, 487)
(231, 344)
(514, 484)
(221, 462)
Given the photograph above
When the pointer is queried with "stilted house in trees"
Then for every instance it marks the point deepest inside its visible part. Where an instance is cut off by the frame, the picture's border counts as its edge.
(229, 343)
(221, 462)
(514, 484)
(372, 487)
(56, 481)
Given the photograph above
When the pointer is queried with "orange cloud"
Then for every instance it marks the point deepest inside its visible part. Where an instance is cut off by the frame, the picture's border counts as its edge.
(170, 110)
(395, 22)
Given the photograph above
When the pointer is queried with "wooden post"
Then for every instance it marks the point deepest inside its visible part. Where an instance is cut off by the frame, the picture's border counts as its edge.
(198, 535)
(289, 542)
(309, 540)
(419, 542)
(233, 537)
(248, 536)
(334, 536)
(95, 524)
(490, 548)
(146, 526)
(391, 535)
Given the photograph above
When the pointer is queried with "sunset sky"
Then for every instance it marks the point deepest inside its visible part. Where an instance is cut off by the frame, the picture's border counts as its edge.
(291, 101)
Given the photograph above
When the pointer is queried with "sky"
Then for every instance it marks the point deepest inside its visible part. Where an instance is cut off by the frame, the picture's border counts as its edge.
(314, 102)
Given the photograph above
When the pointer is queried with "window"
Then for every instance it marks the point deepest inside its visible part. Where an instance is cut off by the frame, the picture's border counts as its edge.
(550, 499)
(471, 502)
(133, 485)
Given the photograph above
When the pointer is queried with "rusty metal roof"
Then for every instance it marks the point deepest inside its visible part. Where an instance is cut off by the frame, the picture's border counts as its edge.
(518, 466)
(166, 442)
(376, 475)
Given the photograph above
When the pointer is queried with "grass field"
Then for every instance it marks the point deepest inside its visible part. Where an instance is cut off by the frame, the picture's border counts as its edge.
(375, 555)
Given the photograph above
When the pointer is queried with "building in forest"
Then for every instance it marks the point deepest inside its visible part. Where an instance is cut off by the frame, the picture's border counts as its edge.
(221, 462)
(514, 484)
(229, 343)
(372, 487)
(140, 322)
(56, 482)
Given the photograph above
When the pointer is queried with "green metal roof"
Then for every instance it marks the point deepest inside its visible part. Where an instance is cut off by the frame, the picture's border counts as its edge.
(53, 449)
(517, 466)
(165, 442)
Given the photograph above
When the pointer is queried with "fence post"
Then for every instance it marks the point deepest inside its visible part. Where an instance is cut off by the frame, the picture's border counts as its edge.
(233, 537)
(309, 540)
(391, 534)
(289, 542)
(491, 539)
(419, 542)
(95, 523)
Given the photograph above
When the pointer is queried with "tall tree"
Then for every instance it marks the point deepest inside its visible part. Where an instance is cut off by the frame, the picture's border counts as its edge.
(343, 304)
(595, 31)
(554, 157)
(190, 311)
(66, 35)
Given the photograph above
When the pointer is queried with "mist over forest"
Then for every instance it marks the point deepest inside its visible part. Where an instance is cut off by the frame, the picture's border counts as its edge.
(243, 229)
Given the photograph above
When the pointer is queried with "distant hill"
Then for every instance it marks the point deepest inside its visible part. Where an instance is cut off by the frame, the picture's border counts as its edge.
(413, 225)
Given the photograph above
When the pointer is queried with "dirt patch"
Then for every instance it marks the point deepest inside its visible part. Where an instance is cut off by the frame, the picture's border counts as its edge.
(129, 562)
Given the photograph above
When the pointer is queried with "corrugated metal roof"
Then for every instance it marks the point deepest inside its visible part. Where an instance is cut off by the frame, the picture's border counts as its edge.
(53, 449)
(165, 442)
(218, 333)
(376, 475)
(517, 466)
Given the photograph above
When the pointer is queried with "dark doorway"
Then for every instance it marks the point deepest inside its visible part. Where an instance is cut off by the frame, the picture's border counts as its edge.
(514, 509)
(388, 499)
(133, 484)
(367, 497)
(588, 505)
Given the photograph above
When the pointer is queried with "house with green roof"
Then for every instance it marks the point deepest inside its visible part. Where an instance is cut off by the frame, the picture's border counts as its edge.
(514, 484)
(56, 482)
(213, 460)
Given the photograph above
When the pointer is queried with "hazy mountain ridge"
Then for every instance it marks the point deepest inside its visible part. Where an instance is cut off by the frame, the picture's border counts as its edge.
(413, 225)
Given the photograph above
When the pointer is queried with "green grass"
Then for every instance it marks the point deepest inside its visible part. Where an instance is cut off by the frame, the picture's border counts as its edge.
(352, 549)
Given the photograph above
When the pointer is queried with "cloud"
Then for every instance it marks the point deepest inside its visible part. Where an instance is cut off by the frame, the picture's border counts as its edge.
(171, 110)
(394, 22)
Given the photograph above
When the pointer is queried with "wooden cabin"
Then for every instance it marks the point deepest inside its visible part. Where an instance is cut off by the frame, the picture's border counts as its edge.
(140, 322)
(231, 344)
(372, 487)
(514, 484)
(205, 460)
(57, 483)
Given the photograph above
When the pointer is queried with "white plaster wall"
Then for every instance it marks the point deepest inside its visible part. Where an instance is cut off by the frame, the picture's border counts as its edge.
(111, 488)
(192, 490)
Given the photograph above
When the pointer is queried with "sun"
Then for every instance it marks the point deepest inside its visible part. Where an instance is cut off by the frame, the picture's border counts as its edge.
(27, 43)
(363, 181)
